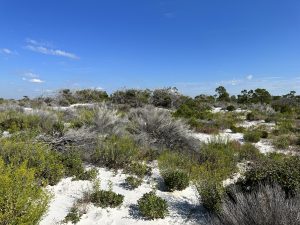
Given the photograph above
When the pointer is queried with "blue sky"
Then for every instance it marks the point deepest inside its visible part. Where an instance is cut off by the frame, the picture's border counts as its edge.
(194, 45)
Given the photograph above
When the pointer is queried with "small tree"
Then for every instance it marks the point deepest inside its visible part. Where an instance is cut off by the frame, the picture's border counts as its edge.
(222, 94)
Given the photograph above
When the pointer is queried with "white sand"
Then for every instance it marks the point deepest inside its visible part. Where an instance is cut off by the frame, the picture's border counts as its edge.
(183, 205)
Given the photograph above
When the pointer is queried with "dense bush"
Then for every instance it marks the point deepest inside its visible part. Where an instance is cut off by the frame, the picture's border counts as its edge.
(275, 168)
(47, 163)
(267, 205)
(230, 108)
(73, 216)
(220, 157)
(133, 182)
(211, 194)
(171, 161)
(175, 180)
(116, 152)
(131, 97)
(252, 136)
(166, 98)
(249, 152)
(138, 169)
(152, 207)
(22, 201)
(282, 141)
(104, 199)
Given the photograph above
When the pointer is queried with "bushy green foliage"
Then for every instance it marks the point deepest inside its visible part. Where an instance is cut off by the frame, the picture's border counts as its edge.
(249, 152)
(116, 152)
(137, 168)
(211, 194)
(219, 157)
(252, 136)
(133, 182)
(152, 207)
(131, 97)
(73, 216)
(170, 161)
(47, 164)
(282, 141)
(193, 108)
(276, 168)
(230, 108)
(13, 121)
(236, 129)
(74, 166)
(251, 116)
(176, 180)
(104, 199)
(22, 201)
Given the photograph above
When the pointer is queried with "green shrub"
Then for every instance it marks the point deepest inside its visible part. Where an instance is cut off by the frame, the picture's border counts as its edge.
(249, 152)
(236, 129)
(73, 216)
(264, 134)
(72, 163)
(276, 168)
(152, 207)
(116, 152)
(133, 182)
(90, 175)
(104, 199)
(220, 157)
(138, 169)
(281, 142)
(230, 108)
(176, 180)
(252, 136)
(211, 194)
(22, 201)
(252, 116)
(169, 161)
(46, 163)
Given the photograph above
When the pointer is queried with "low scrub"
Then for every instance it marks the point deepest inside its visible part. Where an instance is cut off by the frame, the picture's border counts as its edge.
(22, 200)
(275, 168)
(176, 180)
(104, 199)
(252, 136)
(116, 152)
(152, 207)
(133, 182)
(46, 163)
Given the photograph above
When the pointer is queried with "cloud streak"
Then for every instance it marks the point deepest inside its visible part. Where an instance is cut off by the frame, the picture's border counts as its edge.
(43, 48)
(7, 51)
(32, 78)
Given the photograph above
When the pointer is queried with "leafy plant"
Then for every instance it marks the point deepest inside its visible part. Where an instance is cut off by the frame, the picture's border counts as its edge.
(133, 182)
(176, 180)
(252, 136)
(22, 200)
(152, 207)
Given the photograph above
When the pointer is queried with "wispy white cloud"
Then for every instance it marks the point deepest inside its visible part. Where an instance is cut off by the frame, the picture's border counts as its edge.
(43, 48)
(32, 78)
(36, 80)
(7, 51)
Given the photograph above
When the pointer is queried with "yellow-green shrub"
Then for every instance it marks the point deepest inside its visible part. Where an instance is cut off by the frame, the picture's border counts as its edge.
(47, 164)
(22, 201)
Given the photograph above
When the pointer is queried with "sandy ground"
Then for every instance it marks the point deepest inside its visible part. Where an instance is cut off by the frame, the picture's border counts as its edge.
(184, 207)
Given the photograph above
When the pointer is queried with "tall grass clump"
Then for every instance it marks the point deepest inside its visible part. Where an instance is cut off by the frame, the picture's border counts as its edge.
(267, 205)
(156, 128)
